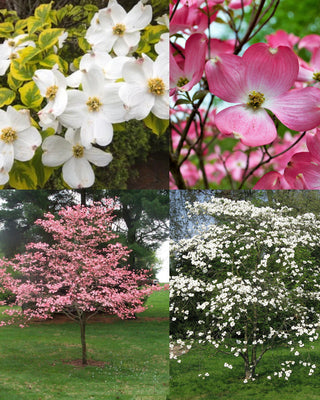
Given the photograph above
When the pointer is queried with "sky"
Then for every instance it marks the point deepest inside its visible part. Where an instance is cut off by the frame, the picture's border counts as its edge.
(163, 256)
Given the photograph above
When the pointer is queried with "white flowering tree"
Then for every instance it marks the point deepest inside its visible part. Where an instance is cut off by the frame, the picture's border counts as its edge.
(247, 283)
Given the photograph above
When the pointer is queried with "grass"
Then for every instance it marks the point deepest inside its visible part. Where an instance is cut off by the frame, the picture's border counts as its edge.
(227, 384)
(135, 352)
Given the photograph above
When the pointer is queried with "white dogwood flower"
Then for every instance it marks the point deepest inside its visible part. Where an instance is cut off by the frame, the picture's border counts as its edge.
(94, 109)
(75, 158)
(146, 87)
(18, 139)
(52, 85)
(113, 28)
(111, 67)
(9, 50)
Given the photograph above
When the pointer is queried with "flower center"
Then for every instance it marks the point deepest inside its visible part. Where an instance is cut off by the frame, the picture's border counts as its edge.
(256, 99)
(119, 29)
(8, 135)
(11, 43)
(13, 56)
(51, 92)
(182, 81)
(78, 151)
(316, 76)
(94, 104)
(156, 86)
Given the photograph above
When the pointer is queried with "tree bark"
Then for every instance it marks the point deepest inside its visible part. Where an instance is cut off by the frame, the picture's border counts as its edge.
(83, 340)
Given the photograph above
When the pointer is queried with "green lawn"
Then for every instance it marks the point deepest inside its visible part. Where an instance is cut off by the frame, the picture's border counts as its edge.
(135, 352)
(226, 384)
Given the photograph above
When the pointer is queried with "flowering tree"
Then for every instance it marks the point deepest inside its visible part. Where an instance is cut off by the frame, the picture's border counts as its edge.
(81, 274)
(67, 91)
(242, 112)
(247, 283)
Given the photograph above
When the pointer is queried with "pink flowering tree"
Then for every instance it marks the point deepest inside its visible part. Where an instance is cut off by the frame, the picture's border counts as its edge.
(242, 114)
(81, 273)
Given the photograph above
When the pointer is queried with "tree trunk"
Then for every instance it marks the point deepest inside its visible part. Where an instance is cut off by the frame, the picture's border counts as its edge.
(83, 340)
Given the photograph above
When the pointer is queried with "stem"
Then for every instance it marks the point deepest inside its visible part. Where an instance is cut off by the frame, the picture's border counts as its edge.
(83, 339)
(270, 157)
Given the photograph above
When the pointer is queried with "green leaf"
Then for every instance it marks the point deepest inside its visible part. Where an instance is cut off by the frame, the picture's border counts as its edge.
(43, 173)
(34, 25)
(53, 59)
(83, 44)
(6, 28)
(6, 96)
(43, 11)
(13, 83)
(199, 95)
(22, 72)
(23, 176)
(49, 37)
(157, 125)
(30, 95)
(28, 53)
(153, 32)
(20, 26)
(182, 101)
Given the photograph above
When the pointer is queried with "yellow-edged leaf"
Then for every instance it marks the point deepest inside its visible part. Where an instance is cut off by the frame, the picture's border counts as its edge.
(49, 38)
(43, 11)
(6, 96)
(53, 59)
(23, 176)
(13, 83)
(22, 72)
(20, 26)
(28, 53)
(35, 24)
(6, 28)
(30, 95)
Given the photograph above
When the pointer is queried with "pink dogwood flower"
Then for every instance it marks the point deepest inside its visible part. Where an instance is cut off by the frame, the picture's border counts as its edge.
(257, 81)
(184, 77)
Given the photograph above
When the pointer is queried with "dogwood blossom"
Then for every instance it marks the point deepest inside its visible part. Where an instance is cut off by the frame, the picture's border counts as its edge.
(113, 28)
(76, 158)
(18, 139)
(146, 87)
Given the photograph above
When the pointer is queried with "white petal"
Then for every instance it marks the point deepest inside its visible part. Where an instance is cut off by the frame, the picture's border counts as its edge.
(4, 65)
(44, 78)
(76, 109)
(20, 120)
(78, 173)
(56, 151)
(26, 144)
(138, 17)
(93, 81)
(98, 157)
(96, 130)
(132, 39)
(137, 99)
(161, 107)
(74, 80)
(7, 152)
(120, 47)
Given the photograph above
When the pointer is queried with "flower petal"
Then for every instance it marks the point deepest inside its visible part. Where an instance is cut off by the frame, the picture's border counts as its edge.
(26, 144)
(138, 17)
(78, 173)
(98, 157)
(270, 71)
(225, 75)
(254, 128)
(76, 109)
(272, 181)
(298, 109)
(56, 151)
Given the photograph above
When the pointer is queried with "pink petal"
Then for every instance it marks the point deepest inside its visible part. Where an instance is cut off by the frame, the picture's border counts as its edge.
(195, 53)
(270, 71)
(313, 144)
(272, 181)
(254, 128)
(302, 173)
(298, 109)
(310, 42)
(225, 75)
